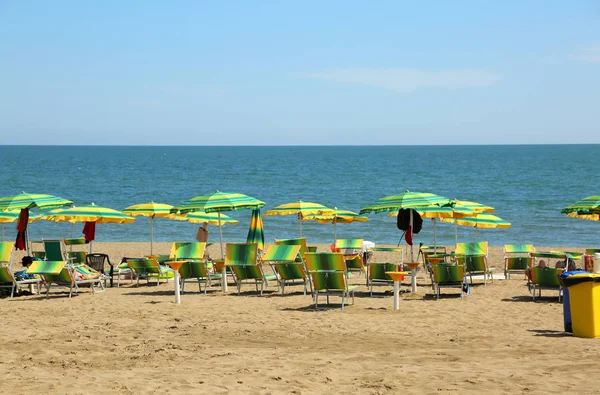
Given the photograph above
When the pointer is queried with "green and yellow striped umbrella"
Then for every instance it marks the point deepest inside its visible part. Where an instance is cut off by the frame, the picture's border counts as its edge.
(91, 213)
(404, 200)
(198, 217)
(588, 208)
(482, 220)
(219, 202)
(337, 217)
(477, 207)
(302, 209)
(151, 210)
(216, 203)
(12, 216)
(31, 200)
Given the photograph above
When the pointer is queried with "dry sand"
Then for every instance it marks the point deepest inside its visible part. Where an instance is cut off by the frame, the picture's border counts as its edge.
(136, 340)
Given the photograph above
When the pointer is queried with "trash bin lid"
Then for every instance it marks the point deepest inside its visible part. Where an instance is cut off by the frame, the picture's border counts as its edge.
(577, 277)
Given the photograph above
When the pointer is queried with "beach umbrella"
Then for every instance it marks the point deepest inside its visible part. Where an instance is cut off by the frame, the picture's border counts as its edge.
(198, 217)
(91, 215)
(588, 208)
(300, 208)
(482, 220)
(25, 202)
(151, 210)
(337, 217)
(12, 216)
(256, 232)
(437, 212)
(218, 202)
(477, 207)
(406, 200)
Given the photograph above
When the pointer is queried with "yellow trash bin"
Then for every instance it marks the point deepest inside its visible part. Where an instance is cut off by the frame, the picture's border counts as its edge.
(584, 301)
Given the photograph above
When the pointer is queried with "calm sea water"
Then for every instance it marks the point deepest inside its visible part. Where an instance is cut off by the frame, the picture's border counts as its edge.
(527, 185)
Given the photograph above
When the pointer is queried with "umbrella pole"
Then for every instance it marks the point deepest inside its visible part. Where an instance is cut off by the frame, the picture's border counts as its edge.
(334, 232)
(434, 240)
(455, 232)
(411, 234)
(224, 270)
(2, 231)
(151, 232)
(476, 233)
(300, 220)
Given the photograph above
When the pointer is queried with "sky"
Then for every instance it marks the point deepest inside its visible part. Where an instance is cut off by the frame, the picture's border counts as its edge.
(299, 72)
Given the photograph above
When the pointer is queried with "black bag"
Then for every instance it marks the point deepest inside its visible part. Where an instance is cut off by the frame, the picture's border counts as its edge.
(403, 220)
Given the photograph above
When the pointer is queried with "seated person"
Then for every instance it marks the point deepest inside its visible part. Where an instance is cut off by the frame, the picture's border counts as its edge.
(83, 272)
(568, 263)
(22, 274)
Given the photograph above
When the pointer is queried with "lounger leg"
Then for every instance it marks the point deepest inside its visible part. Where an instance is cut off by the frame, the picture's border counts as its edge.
(317, 300)
(12, 290)
(343, 293)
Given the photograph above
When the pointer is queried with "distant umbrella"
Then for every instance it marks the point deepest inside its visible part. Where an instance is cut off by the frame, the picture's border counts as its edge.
(300, 208)
(337, 217)
(151, 210)
(588, 208)
(483, 220)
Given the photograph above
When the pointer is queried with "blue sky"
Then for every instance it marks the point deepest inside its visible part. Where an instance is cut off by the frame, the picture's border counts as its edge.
(304, 72)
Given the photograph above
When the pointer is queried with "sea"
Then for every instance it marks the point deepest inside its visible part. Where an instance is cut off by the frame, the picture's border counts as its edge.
(528, 185)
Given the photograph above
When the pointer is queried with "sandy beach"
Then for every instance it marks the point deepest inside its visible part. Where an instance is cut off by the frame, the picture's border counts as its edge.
(135, 340)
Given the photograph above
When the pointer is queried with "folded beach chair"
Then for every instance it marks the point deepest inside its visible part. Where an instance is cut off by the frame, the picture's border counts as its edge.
(376, 270)
(517, 258)
(448, 275)
(58, 273)
(149, 268)
(286, 265)
(242, 260)
(474, 257)
(329, 275)
(353, 254)
(36, 248)
(544, 278)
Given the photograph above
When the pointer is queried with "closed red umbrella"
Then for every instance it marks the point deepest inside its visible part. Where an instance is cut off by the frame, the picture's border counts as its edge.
(21, 241)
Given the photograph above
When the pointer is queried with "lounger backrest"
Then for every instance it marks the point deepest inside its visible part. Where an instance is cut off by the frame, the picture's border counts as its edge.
(74, 241)
(473, 263)
(51, 271)
(545, 276)
(283, 259)
(591, 251)
(327, 270)
(477, 248)
(518, 262)
(242, 258)
(194, 269)
(53, 250)
(377, 270)
(518, 248)
(188, 250)
(301, 241)
(85, 270)
(6, 248)
(6, 275)
(445, 273)
(428, 251)
(143, 265)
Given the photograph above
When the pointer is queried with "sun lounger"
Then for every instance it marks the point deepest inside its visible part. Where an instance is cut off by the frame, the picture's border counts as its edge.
(449, 275)
(149, 268)
(353, 254)
(544, 278)
(329, 275)
(474, 257)
(285, 263)
(8, 280)
(198, 271)
(517, 258)
(242, 260)
(58, 273)
(376, 270)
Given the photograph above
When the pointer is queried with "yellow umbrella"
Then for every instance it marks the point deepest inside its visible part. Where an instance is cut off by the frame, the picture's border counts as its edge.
(337, 217)
(151, 210)
(300, 208)
(482, 220)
